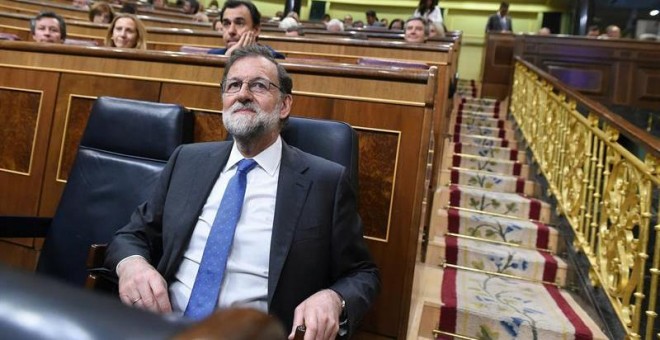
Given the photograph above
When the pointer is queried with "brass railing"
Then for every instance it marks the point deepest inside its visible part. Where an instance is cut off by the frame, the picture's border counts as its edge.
(605, 192)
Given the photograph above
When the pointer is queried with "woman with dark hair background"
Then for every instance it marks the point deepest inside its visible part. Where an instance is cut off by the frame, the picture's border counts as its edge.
(429, 10)
(396, 24)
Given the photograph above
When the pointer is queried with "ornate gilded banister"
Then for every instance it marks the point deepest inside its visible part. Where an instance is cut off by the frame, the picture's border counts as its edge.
(606, 192)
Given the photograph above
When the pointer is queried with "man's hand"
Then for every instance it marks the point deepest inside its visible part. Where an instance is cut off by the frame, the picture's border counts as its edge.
(320, 315)
(248, 38)
(141, 286)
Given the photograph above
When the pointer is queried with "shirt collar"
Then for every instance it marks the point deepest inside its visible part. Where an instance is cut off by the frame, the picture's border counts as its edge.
(269, 159)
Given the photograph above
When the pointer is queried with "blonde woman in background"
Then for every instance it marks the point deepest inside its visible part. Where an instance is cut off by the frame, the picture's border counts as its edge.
(126, 31)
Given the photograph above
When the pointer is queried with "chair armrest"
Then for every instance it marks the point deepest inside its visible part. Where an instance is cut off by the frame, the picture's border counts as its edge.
(24, 226)
(99, 277)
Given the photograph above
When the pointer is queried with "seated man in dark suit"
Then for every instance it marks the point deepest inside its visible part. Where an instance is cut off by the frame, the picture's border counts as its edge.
(251, 223)
(500, 22)
(241, 24)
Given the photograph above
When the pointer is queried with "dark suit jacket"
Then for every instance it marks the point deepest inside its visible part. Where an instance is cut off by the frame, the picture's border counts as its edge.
(495, 25)
(317, 238)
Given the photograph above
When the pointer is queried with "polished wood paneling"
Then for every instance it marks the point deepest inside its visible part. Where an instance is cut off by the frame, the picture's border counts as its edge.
(19, 114)
(376, 176)
(359, 95)
(20, 194)
(610, 71)
(497, 65)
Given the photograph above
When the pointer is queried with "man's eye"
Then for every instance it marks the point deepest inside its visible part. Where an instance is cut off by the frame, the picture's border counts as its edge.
(234, 86)
(259, 86)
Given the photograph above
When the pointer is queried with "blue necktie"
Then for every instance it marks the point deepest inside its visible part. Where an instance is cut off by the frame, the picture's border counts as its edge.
(205, 292)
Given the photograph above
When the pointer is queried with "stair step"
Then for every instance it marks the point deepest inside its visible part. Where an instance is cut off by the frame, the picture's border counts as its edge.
(477, 305)
(481, 140)
(484, 131)
(497, 258)
(524, 233)
(480, 101)
(503, 204)
(477, 112)
(485, 164)
(496, 152)
(488, 181)
(481, 120)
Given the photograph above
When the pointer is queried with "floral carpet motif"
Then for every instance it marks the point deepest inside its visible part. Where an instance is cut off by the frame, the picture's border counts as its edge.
(514, 205)
(488, 181)
(493, 307)
(512, 168)
(520, 232)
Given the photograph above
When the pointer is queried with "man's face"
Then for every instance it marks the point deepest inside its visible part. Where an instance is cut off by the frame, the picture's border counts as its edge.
(47, 30)
(348, 20)
(236, 22)
(371, 20)
(414, 32)
(253, 114)
(504, 11)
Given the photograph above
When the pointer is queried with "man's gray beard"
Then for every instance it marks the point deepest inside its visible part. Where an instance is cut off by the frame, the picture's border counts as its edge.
(249, 128)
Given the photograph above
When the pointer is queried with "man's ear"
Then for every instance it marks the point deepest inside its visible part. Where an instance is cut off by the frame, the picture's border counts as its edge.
(257, 30)
(286, 106)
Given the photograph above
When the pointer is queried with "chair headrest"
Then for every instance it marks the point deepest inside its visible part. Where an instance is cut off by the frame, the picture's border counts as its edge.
(333, 140)
(135, 139)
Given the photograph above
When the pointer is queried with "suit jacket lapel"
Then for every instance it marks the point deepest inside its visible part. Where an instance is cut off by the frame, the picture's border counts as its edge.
(292, 191)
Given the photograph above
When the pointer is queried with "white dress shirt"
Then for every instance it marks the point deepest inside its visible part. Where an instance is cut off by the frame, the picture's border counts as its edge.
(245, 281)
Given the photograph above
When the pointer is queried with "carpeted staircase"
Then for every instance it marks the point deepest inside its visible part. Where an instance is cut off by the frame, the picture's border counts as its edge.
(493, 268)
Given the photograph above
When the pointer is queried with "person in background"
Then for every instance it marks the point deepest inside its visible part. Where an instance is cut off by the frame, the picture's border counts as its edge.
(544, 31)
(358, 24)
(437, 29)
(214, 6)
(294, 15)
(200, 17)
(241, 25)
(416, 31)
(296, 31)
(48, 27)
(82, 4)
(348, 21)
(396, 24)
(335, 25)
(500, 22)
(190, 7)
(101, 12)
(384, 21)
(326, 18)
(372, 19)
(126, 31)
(612, 32)
(287, 23)
(593, 32)
(216, 25)
(429, 10)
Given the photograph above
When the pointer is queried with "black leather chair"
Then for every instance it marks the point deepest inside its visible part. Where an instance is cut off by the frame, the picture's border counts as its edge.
(333, 140)
(39, 307)
(124, 147)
